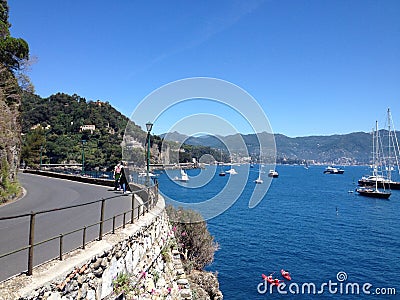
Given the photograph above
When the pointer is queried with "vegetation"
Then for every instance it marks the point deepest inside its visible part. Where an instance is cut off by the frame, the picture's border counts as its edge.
(13, 53)
(8, 189)
(52, 130)
(52, 134)
(193, 238)
(122, 284)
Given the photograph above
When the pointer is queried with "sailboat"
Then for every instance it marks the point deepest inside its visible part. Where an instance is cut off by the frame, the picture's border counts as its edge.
(393, 155)
(221, 172)
(374, 192)
(259, 180)
(231, 171)
(184, 177)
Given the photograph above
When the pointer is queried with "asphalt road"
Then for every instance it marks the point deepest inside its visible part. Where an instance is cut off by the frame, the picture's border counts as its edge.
(45, 193)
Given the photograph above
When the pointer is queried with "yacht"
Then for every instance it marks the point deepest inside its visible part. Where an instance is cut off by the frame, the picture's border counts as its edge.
(332, 170)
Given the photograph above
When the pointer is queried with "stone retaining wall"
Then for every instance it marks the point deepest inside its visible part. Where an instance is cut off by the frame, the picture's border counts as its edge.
(140, 257)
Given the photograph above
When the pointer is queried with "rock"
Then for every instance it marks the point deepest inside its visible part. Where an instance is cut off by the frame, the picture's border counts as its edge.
(54, 296)
(104, 263)
(161, 282)
(98, 272)
(97, 263)
(186, 293)
(91, 295)
(149, 285)
(180, 271)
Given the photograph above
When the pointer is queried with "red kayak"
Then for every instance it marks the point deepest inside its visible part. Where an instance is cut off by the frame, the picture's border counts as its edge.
(277, 282)
(270, 280)
(286, 274)
(267, 278)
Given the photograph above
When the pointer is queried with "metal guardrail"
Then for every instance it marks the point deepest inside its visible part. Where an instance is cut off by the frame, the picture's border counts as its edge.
(151, 201)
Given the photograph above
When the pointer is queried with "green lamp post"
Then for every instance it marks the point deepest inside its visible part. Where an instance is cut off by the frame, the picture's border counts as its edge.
(83, 156)
(149, 126)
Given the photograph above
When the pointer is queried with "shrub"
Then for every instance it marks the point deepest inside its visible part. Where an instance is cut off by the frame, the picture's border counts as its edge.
(193, 238)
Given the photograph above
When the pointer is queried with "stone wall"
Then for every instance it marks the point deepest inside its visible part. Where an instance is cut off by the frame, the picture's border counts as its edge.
(140, 257)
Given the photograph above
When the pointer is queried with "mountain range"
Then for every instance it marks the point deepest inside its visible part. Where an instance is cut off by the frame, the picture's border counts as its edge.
(352, 148)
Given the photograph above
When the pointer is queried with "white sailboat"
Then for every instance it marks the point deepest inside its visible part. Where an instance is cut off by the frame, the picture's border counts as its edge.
(259, 180)
(184, 177)
(231, 171)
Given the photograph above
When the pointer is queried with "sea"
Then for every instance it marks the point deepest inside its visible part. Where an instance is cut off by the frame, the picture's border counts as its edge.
(335, 243)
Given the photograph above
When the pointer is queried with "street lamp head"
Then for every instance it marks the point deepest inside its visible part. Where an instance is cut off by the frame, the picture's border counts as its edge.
(149, 126)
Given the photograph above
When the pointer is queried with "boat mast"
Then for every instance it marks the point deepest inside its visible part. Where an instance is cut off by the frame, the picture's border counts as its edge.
(374, 170)
(389, 141)
(393, 140)
(376, 155)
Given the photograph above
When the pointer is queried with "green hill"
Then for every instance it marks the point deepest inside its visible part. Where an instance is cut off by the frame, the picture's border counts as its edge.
(54, 128)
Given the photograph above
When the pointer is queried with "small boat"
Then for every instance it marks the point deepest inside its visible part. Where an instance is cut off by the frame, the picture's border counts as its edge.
(273, 173)
(144, 174)
(221, 171)
(268, 278)
(332, 170)
(258, 180)
(184, 177)
(286, 274)
(231, 171)
(271, 280)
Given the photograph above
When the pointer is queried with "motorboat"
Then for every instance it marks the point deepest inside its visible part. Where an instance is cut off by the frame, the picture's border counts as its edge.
(273, 173)
(333, 170)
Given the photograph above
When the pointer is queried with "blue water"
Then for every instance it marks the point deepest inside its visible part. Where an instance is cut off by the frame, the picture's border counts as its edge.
(308, 223)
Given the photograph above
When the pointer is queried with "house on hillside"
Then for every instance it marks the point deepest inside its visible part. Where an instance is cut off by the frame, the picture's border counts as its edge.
(87, 127)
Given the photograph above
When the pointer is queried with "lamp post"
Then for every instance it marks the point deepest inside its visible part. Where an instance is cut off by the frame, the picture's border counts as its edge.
(83, 156)
(149, 126)
(41, 150)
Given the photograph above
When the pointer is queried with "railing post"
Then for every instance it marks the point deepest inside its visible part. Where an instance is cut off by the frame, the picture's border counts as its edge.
(124, 220)
(156, 192)
(101, 219)
(113, 225)
(84, 238)
(133, 208)
(148, 199)
(31, 241)
(61, 246)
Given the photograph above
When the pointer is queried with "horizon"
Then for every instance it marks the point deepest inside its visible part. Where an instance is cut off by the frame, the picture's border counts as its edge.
(315, 68)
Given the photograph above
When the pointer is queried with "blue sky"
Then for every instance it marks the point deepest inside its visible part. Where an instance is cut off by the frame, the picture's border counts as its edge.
(315, 67)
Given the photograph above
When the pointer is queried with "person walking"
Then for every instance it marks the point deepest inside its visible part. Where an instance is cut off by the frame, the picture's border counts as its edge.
(123, 181)
(117, 176)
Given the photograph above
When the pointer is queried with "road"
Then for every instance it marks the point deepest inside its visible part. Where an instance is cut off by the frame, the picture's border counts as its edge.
(45, 193)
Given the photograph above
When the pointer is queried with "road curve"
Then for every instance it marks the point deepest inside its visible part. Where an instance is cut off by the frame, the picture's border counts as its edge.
(43, 193)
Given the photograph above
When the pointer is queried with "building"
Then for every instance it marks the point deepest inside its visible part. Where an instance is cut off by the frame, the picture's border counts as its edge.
(88, 127)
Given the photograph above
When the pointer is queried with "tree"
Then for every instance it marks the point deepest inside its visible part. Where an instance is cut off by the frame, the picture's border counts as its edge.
(12, 50)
